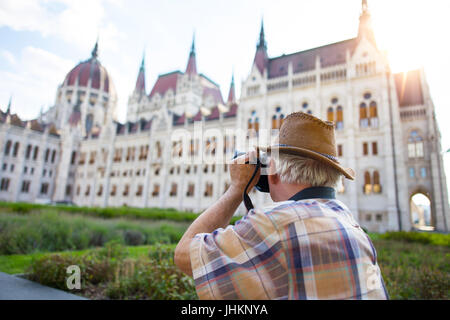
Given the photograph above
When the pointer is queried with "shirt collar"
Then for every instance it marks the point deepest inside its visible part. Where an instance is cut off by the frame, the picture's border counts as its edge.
(315, 193)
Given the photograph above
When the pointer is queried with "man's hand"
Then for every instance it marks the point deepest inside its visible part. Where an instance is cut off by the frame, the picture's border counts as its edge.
(241, 171)
(220, 213)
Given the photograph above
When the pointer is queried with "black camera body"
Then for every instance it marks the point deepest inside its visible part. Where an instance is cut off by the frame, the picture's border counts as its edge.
(261, 162)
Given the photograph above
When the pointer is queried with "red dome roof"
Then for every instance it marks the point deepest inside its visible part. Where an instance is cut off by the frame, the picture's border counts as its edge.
(89, 70)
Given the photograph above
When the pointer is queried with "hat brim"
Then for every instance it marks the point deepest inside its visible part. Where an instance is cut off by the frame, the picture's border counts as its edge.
(347, 172)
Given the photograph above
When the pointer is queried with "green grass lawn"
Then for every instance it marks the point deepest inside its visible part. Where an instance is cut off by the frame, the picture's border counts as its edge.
(18, 263)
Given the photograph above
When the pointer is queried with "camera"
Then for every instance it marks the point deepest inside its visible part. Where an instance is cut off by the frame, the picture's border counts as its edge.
(261, 162)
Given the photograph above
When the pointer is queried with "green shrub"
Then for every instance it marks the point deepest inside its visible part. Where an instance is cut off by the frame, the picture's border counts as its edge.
(51, 270)
(156, 279)
(413, 270)
(107, 273)
(418, 237)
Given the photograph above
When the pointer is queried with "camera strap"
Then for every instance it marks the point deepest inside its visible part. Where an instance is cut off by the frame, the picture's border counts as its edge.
(247, 201)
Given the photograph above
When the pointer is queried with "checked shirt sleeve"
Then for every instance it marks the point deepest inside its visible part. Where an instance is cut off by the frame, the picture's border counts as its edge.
(244, 261)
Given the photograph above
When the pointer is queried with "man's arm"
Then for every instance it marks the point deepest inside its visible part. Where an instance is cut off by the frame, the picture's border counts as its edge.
(219, 214)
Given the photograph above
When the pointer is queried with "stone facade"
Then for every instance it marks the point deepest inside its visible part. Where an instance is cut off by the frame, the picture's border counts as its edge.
(385, 127)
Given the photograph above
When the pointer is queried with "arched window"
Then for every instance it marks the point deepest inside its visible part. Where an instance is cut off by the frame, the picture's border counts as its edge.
(367, 183)
(208, 190)
(339, 118)
(249, 124)
(155, 192)
(253, 121)
(35, 153)
(191, 190)
(372, 182)
(373, 110)
(47, 154)
(88, 190)
(16, 149)
(363, 121)
(73, 158)
(376, 182)
(28, 153)
(277, 118)
(415, 145)
(68, 190)
(256, 125)
(368, 115)
(100, 190)
(330, 114)
(139, 190)
(8, 147)
(158, 149)
(373, 114)
(126, 190)
(113, 190)
(213, 146)
(173, 190)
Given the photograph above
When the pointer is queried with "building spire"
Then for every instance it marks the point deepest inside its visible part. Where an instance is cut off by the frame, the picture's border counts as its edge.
(231, 94)
(143, 61)
(95, 50)
(193, 45)
(191, 68)
(140, 82)
(262, 41)
(365, 24)
(8, 110)
(261, 57)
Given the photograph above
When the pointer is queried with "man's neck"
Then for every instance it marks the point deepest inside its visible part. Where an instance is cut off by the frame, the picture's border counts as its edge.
(288, 190)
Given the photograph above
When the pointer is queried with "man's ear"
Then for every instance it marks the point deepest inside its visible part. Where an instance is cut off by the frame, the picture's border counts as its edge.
(273, 177)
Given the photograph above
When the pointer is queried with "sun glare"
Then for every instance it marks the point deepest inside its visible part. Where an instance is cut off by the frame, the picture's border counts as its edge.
(400, 35)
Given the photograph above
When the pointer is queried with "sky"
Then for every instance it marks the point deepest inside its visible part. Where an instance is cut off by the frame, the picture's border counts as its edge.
(42, 40)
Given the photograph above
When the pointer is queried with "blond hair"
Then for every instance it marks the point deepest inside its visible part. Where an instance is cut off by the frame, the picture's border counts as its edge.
(306, 171)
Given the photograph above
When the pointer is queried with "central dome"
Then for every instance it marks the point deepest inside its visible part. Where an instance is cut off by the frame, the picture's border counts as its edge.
(89, 73)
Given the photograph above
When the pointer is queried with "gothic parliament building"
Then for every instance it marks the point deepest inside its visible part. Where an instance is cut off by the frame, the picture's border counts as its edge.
(386, 130)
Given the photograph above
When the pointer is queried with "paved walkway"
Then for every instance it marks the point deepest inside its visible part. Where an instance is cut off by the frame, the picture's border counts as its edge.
(16, 288)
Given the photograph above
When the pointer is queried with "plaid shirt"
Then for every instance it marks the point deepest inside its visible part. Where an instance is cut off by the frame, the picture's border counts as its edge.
(307, 249)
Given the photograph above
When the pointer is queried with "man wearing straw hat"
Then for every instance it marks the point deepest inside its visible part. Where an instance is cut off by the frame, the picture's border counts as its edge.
(305, 246)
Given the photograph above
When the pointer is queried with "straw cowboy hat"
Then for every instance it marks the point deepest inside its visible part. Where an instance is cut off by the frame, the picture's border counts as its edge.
(305, 135)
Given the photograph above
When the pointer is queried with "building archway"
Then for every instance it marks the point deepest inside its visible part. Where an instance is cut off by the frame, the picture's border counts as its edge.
(421, 212)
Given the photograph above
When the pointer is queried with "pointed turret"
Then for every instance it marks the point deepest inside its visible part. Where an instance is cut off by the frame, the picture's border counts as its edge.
(261, 56)
(191, 68)
(95, 50)
(365, 24)
(231, 94)
(8, 110)
(140, 82)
